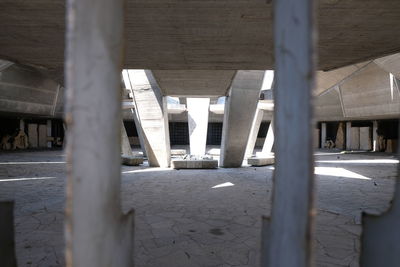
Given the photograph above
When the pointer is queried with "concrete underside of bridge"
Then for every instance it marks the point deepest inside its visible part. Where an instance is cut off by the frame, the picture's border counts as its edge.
(203, 35)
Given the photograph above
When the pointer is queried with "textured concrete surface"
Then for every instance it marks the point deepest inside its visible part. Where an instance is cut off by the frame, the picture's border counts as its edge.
(204, 35)
(194, 82)
(260, 161)
(198, 217)
(194, 164)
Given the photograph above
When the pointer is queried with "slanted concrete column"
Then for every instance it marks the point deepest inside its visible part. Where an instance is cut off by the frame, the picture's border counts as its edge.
(323, 134)
(48, 129)
(255, 128)
(269, 140)
(198, 109)
(140, 132)
(97, 233)
(348, 135)
(126, 149)
(152, 112)
(287, 239)
(374, 136)
(240, 107)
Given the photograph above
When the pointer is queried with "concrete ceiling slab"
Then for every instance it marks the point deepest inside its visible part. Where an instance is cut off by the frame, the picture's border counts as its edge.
(325, 80)
(198, 34)
(390, 64)
(194, 82)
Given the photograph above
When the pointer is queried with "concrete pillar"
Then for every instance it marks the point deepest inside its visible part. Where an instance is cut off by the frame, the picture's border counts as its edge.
(269, 140)
(126, 149)
(287, 236)
(42, 135)
(323, 134)
(152, 112)
(33, 138)
(365, 138)
(22, 125)
(375, 136)
(97, 233)
(48, 126)
(255, 128)
(198, 109)
(240, 107)
(128, 85)
(348, 135)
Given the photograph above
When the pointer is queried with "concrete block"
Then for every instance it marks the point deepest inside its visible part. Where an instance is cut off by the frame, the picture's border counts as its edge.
(132, 161)
(355, 138)
(194, 164)
(42, 131)
(178, 152)
(365, 138)
(260, 161)
(33, 135)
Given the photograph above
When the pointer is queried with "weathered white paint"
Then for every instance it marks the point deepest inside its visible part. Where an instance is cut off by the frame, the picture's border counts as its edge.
(288, 239)
(255, 128)
(380, 244)
(269, 140)
(323, 134)
(97, 234)
(198, 123)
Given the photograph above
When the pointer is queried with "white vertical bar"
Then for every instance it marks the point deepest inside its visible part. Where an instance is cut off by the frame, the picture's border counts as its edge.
(374, 136)
(290, 229)
(97, 233)
(198, 109)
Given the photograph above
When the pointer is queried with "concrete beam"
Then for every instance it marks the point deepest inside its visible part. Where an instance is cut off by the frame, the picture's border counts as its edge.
(237, 123)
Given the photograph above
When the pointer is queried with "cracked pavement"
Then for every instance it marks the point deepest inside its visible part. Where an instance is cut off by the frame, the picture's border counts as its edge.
(180, 220)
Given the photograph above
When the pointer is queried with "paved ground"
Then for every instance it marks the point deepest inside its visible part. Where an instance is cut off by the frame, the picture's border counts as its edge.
(183, 218)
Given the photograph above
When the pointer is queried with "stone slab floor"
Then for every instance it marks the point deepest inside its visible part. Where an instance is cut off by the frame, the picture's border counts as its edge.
(198, 217)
